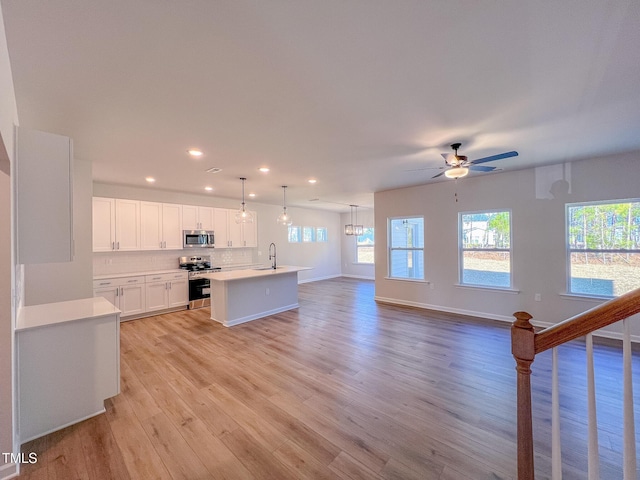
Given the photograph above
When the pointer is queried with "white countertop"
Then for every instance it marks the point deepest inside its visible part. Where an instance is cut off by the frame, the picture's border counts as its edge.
(251, 273)
(137, 274)
(35, 316)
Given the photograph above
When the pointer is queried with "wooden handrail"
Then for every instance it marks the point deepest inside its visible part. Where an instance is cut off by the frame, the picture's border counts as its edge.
(598, 317)
(526, 344)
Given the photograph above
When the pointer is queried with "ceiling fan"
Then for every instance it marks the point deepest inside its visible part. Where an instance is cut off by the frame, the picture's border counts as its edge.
(458, 166)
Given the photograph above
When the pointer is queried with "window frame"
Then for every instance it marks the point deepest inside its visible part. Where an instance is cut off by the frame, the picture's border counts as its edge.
(462, 250)
(391, 249)
(569, 250)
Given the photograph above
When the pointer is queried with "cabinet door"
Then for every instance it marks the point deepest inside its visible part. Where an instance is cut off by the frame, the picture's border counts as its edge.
(104, 224)
(132, 299)
(189, 217)
(250, 232)
(150, 226)
(178, 293)
(157, 296)
(221, 227)
(235, 230)
(172, 226)
(205, 218)
(127, 224)
(110, 293)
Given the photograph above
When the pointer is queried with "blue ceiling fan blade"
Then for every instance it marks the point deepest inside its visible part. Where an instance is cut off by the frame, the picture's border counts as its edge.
(500, 156)
(481, 168)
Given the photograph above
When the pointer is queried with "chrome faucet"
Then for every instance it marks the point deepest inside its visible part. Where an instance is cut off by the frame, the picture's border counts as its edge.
(272, 255)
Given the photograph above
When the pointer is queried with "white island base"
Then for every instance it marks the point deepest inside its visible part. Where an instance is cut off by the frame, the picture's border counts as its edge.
(243, 295)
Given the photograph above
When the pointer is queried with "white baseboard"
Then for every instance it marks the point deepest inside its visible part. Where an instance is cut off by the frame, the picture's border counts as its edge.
(491, 316)
(317, 279)
(256, 316)
(10, 470)
(440, 308)
(359, 277)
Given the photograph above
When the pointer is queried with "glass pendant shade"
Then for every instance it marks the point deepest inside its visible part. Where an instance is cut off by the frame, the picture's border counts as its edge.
(457, 172)
(348, 229)
(284, 218)
(242, 215)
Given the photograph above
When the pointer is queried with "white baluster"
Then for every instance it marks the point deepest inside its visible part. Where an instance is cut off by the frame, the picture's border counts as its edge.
(556, 455)
(593, 454)
(629, 454)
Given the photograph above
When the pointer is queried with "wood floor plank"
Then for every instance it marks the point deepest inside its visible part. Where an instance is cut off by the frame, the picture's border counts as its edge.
(341, 387)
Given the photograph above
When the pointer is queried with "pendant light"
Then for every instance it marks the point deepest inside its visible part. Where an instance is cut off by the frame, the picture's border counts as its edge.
(348, 228)
(242, 215)
(351, 228)
(357, 229)
(284, 218)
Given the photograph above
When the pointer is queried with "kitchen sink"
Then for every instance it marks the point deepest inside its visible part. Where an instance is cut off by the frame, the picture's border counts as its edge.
(266, 268)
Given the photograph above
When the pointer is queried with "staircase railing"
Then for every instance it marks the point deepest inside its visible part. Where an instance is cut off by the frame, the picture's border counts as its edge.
(526, 344)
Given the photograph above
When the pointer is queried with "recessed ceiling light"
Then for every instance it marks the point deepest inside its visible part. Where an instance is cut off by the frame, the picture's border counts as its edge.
(150, 179)
(208, 189)
(312, 180)
(195, 152)
(252, 194)
(264, 169)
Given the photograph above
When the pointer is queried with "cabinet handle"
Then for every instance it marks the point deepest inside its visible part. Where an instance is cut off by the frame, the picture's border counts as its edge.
(132, 281)
(122, 291)
(118, 245)
(117, 292)
(105, 283)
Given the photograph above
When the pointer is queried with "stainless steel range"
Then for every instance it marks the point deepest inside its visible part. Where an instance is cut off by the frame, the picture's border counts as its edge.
(199, 287)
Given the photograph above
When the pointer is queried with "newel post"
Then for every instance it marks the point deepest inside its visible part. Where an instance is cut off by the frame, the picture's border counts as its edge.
(523, 350)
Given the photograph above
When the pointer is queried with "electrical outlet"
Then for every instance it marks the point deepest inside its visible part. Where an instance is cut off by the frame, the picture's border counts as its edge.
(266, 291)
(538, 297)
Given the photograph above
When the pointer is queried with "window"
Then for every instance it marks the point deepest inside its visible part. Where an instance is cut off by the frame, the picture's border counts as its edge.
(603, 248)
(321, 234)
(308, 234)
(406, 248)
(294, 234)
(485, 249)
(364, 246)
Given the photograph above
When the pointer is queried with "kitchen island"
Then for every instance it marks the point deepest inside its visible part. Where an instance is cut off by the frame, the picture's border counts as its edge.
(240, 296)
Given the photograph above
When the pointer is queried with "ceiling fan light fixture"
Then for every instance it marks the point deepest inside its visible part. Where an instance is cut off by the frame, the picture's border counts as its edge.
(456, 172)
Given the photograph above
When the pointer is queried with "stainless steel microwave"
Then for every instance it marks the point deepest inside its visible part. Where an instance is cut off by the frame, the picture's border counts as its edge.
(197, 239)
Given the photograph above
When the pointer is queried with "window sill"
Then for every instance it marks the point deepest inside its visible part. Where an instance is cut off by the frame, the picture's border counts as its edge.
(485, 287)
(582, 296)
(414, 280)
(363, 263)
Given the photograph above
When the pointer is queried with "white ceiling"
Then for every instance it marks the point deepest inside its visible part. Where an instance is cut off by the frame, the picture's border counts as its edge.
(356, 93)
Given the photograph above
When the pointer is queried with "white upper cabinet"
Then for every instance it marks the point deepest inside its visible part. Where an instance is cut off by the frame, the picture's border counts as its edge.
(127, 225)
(104, 224)
(160, 226)
(221, 227)
(44, 197)
(197, 218)
(242, 234)
(116, 224)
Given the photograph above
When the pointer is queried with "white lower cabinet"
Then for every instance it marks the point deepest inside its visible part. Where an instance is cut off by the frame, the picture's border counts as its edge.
(135, 296)
(167, 290)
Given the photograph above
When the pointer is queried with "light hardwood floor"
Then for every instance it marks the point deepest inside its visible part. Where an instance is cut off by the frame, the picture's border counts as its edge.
(340, 388)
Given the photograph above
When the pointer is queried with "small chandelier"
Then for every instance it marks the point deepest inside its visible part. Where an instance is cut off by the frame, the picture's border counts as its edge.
(284, 218)
(351, 228)
(242, 215)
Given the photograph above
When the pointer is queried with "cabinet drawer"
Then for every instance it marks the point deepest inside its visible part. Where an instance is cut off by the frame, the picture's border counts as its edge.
(118, 281)
(166, 277)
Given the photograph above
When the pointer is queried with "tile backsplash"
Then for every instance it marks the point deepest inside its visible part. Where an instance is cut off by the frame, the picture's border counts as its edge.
(131, 262)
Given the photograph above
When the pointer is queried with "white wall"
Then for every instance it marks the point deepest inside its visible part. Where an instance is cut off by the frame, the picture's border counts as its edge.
(57, 282)
(8, 118)
(348, 245)
(324, 258)
(538, 236)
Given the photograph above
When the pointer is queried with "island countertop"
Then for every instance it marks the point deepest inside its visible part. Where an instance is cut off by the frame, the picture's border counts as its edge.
(252, 273)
